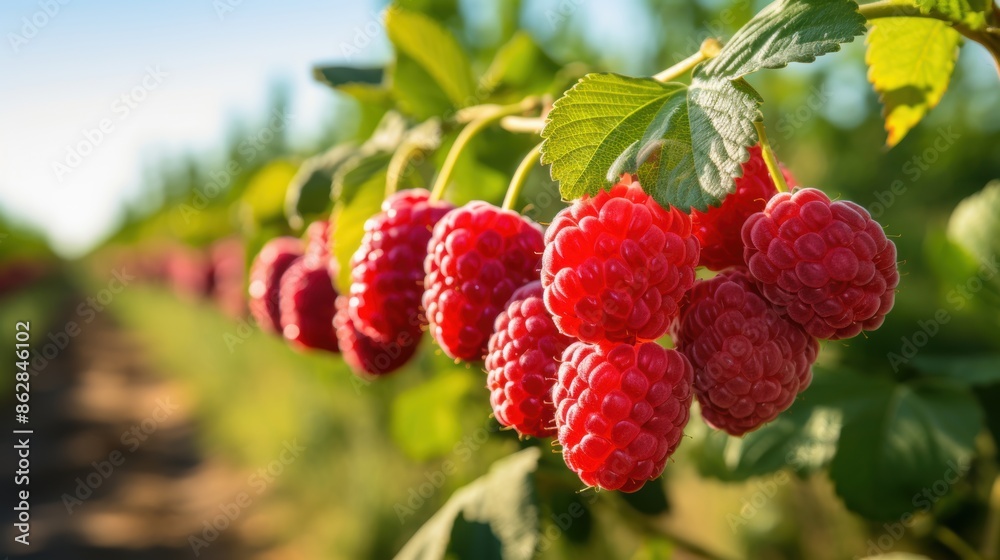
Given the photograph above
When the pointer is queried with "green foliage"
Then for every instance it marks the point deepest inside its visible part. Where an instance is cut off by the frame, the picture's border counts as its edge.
(519, 68)
(965, 370)
(702, 144)
(975, 228)
(787, 31)
(309, 193)
(432, 73)
(499, 508)
(425, 420)
(910, 63)
(336, 76)
(899, 438)
(972, 13)
(595, 121)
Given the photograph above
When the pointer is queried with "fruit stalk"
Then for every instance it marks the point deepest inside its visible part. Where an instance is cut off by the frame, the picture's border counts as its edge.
(769, 159)
(520, 177)
(468, 133)
(709, 48)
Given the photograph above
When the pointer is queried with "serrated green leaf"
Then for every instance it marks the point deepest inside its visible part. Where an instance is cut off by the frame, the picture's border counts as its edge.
(423, 44)
(972, 13)
(704, 144)
(503, 500)
(900, 438)
(787, 31)
(910, 61)
(597, 119)
(336, 76)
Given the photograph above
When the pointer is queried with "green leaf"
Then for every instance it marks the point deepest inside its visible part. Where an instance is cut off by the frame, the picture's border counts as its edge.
(370, 158)
(787, 31)
(519, 68)
(336, 76)
(695, 136)
(263, 201)
(372, 103)
(965, 370)
(651, 499)
(898, 439)
(910, 61)
(974, 226)
(425, 49)
(504, 500)
(424, 423)
(972, 13)
(704, 144)
(597, 119)
(309, 192)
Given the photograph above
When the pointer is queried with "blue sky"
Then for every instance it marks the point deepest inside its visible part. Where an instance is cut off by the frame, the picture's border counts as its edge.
(187, 72)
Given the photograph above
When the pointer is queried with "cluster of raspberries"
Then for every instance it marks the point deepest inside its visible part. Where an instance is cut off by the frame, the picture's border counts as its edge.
(567, 320)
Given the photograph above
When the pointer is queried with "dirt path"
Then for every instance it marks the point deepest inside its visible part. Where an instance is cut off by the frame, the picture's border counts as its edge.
(115, 470)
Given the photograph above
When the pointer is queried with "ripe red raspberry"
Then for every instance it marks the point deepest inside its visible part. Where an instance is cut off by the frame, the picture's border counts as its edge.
(308, 302)
(365, 355)
(265, 276)
(318, 240)
(387, 271)
(523, 361)
(477, 256)
(616, 265)
(620, 411)
(828, 265)
(749, 361)
(718, 229)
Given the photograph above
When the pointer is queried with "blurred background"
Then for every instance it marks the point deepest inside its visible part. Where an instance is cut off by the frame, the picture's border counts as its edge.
(147, 153)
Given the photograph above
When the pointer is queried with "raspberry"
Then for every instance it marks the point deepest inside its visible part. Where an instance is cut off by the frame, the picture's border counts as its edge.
(228, 269)
(308, 302)
(318, 240)
(365, 355)
(387, 271)
(620, 411)
(616, 265)
(477, 256)
(718, 229)
(827, 265)
(522, 362)
(265, 276)
(749, 362)
(190, 273)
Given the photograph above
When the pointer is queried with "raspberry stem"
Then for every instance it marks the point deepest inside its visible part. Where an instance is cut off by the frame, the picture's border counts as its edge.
(521, 176)
(709, 48)
(489, 116)
(769, 159)
(397, 166)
